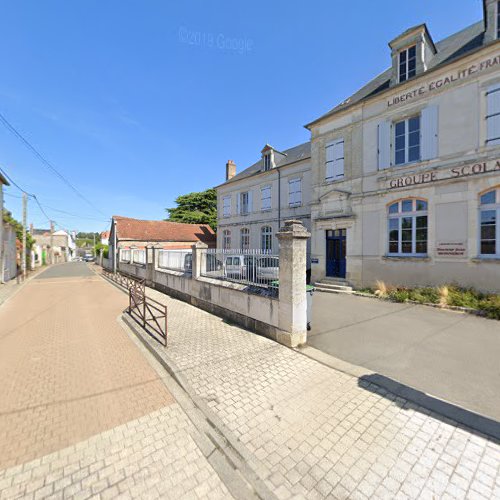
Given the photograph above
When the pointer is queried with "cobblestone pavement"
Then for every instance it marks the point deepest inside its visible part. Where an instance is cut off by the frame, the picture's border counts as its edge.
(81, 410)
(315, 432)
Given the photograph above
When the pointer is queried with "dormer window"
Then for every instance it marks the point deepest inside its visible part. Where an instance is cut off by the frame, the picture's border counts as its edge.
(267, 162)
(407, 63)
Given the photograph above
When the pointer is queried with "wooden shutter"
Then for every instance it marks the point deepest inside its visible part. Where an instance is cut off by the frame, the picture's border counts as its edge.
(493, 115)
(384, 145)
(338, 151)
(238, 203)
(250, 201)
(429, 124)
(329, 152)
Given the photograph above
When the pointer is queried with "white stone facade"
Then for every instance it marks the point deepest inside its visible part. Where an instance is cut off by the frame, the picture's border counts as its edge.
(452, 108)
(271, 202)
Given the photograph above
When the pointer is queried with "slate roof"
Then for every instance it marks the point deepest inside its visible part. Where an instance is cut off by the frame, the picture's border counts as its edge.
(158, 230)
(283, 158)
(448, 49)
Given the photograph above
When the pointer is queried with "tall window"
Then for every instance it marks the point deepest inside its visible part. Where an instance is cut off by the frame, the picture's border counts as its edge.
(407, 141)
(226, 206)
(226, 239)
(493, 115)
(245, 238)
(334, 160)
(265, 193)
(489, 217)
(266, 239)
(407, 63)
(295, 192)
(244, 200)
(267, 162)
(408, 228)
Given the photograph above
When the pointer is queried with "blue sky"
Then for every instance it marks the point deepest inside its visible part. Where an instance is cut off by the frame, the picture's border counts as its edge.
(137, 102)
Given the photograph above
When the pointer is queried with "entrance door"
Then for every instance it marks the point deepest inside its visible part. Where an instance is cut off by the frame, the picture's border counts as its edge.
(335, 253)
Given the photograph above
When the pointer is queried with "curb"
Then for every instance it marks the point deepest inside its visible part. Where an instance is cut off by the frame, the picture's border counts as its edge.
(440, 407)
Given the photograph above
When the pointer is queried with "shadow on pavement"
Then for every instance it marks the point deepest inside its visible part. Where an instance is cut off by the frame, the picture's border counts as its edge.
(442, 410)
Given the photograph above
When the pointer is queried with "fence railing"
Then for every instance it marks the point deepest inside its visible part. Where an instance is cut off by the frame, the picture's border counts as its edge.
(126, 281)
(149, 313)
(176, 260)
(249, 267)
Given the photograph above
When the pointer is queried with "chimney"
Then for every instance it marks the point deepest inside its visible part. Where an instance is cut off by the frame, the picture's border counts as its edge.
(230, 170)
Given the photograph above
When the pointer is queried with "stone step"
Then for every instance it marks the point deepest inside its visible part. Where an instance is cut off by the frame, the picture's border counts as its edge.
(323, 289)
(324, 286)
(335, 281)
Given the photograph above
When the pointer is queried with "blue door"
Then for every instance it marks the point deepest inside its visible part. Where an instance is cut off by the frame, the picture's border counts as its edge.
(335, 253)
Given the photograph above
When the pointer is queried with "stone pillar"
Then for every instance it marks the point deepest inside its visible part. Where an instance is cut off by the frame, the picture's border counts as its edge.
(101, 256)
(292, 289)
(199, 261)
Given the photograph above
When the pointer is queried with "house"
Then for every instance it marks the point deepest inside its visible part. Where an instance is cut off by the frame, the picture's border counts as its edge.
(11, 252)
(129, 238)
(56, 247)
(253, 204)
(105, 238)
(406, 171)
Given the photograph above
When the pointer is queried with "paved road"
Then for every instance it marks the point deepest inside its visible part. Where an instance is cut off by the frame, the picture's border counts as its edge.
(81, 410)
(447, 354)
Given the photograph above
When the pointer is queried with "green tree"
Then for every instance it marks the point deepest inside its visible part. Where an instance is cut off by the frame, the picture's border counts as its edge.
(195, 208)
(30, 241)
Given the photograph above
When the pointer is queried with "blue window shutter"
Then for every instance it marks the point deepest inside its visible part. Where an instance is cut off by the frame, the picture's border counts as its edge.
(429, 146)
(238, 204)
(250, 201)
(384, 145)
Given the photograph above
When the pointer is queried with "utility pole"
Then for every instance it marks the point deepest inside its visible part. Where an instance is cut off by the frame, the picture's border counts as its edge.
(93, 250)
(51, 242)
(25, 217)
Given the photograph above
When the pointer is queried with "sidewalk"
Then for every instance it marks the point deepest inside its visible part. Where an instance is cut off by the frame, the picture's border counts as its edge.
(313, 432)
(10, 288)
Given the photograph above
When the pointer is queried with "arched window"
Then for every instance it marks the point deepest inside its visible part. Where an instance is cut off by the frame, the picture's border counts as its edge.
(489, 217)
(226, 239)
(266, 238)
(408, 227)
(245, 238)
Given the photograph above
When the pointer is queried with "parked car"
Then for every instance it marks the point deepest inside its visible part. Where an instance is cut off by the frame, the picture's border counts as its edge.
(88, 258)
(241, 267)
(268, 269)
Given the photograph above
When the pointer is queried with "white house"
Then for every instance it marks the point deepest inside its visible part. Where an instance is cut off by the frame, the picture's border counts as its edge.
(406, 171)
(253, 204)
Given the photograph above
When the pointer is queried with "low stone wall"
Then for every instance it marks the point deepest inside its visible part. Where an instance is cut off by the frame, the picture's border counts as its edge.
(224, 299)
(106, 263)
(133, 269)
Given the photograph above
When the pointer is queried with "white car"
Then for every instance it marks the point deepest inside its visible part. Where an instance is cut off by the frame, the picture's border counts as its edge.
(268, 269)
(240, 267)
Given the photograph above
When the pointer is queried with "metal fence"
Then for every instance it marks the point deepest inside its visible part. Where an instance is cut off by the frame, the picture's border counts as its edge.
(127, 281)
(149, 313)
(176, 260)
(249, 267)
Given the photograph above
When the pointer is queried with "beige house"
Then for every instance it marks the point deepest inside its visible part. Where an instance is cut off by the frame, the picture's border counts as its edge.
(406, 171)
(253, 204)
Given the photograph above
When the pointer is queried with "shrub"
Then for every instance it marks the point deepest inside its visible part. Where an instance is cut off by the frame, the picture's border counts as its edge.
(464, 297)
(491, 306)
(399, 295)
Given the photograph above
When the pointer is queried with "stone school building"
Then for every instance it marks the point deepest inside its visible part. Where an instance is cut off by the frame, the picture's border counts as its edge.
(406, 171)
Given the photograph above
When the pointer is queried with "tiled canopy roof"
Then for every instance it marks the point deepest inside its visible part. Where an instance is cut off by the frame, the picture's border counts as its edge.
(157, 230)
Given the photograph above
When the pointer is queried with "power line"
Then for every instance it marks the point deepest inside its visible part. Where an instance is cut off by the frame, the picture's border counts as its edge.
(43, 206)
(47, 163)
